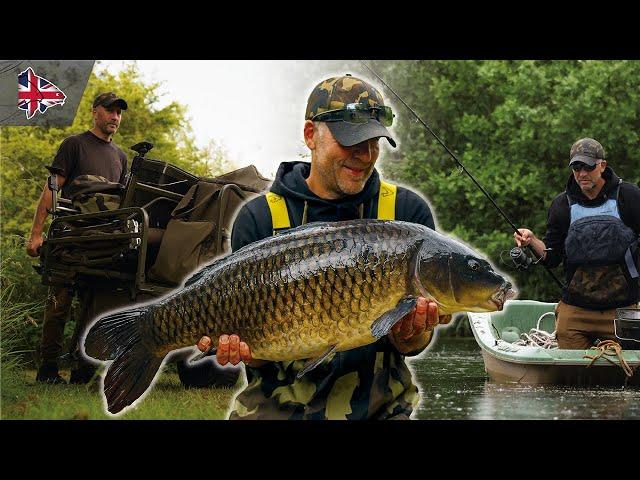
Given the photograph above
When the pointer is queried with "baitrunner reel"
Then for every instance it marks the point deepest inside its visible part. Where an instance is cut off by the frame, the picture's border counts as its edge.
(520, 259)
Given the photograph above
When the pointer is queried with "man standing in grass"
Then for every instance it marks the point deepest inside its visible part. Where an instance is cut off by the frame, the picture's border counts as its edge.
(90, 153)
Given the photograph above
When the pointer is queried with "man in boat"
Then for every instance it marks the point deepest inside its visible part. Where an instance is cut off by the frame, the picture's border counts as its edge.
(345, 118)
(593, 228)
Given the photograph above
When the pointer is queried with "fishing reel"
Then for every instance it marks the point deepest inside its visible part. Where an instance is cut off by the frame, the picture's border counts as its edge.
(520, 259)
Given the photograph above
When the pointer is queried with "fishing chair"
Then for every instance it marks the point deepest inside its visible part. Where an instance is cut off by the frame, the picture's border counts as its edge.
(115, 244)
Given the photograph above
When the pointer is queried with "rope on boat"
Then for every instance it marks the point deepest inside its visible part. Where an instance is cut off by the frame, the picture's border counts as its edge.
(610, 348)
(538, 337)
(607, 348)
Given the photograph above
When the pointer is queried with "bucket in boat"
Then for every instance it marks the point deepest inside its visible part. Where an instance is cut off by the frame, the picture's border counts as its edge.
(627, 326)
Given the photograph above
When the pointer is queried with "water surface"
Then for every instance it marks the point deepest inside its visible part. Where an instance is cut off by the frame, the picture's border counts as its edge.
(453, 385)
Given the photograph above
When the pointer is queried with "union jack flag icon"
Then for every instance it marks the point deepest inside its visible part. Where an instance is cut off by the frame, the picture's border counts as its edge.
(37, 93)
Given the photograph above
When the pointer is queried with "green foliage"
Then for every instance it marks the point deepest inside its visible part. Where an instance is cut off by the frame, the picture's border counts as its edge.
(26, 150)
(17, 325)
(511, 123)
(24, 399)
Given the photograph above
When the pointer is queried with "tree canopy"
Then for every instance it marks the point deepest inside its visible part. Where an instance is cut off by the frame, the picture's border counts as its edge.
(512, 124)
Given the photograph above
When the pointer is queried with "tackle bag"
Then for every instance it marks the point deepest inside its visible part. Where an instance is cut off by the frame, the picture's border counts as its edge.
(200, 225)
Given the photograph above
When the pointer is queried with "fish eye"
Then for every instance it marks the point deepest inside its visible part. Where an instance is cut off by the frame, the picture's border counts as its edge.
(473, 265)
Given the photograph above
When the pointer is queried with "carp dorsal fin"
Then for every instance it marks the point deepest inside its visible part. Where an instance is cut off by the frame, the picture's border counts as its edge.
(314, 362)
(197, 275)
(383, 324)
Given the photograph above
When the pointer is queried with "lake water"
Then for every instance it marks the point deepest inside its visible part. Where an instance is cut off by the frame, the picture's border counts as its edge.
(454, 385)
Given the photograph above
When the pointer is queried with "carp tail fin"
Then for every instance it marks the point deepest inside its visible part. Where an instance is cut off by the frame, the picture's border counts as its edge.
(118, 337)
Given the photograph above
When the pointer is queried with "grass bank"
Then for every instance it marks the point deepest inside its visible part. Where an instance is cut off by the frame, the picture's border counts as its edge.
(23, 398)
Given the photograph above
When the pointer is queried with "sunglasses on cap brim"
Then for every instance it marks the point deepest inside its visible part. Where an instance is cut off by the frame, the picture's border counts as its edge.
(576, 167)
(357, 113)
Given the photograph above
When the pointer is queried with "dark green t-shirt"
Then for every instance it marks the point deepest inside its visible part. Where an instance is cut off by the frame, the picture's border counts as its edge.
(86, 154)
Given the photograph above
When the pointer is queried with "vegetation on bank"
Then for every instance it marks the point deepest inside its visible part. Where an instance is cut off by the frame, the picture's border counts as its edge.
(24, 399)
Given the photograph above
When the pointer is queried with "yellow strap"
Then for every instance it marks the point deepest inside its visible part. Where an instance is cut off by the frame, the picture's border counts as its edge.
(279, 213)
(386, 206)
(387, 201)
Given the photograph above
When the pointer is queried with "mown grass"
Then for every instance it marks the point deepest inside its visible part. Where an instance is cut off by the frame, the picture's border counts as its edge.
(24, 398)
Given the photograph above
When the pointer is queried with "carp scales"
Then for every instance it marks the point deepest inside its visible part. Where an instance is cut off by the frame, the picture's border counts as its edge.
(304, 294)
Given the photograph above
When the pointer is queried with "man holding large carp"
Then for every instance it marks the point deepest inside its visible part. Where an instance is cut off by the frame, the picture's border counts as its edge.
(335, 277)
(340, 183)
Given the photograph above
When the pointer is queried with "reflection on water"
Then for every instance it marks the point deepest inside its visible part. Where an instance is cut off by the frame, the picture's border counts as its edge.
(454, 385)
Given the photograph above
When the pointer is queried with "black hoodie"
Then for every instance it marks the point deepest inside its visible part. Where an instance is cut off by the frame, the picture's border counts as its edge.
(558, 218)
(253, 221)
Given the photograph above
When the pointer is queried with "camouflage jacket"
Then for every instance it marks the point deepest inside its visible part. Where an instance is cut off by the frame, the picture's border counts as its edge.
(372, 381)
(94, 193)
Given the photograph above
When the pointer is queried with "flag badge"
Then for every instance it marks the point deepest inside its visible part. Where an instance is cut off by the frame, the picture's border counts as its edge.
(37, 93)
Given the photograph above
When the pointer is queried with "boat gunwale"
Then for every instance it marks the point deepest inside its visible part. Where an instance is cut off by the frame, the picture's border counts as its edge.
(479, 320)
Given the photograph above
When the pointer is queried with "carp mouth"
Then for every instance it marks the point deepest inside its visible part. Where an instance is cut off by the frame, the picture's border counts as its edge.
(504, 293)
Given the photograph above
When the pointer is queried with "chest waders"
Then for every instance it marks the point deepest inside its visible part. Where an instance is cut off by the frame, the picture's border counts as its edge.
(602, 271)
(280, 215)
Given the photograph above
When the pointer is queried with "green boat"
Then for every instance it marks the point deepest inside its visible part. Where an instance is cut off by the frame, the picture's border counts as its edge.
(506, 361)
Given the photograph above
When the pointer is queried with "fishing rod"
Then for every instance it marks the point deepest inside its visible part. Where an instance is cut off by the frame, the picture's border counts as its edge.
(514, 255)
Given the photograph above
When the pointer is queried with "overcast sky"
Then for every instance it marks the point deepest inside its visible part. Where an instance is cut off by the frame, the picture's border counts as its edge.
(255, 109)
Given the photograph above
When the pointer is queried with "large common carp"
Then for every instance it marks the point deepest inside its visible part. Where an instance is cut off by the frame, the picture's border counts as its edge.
(314, 290)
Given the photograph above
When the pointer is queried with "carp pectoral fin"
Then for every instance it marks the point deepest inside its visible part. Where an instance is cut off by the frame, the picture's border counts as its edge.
(314, 362)
(201, 355)
(382, 325)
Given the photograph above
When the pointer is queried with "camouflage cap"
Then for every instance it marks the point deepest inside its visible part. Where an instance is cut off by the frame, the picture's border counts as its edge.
(109, 98)
(586, 150)
(335, 93)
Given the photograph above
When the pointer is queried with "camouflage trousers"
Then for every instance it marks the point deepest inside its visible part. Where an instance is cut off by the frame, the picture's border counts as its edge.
(370, 382)
(94, 299)
(56, 311)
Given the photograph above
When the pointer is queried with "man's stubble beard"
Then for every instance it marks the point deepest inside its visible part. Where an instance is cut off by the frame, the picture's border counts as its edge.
(105, 129)
(350, 188)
